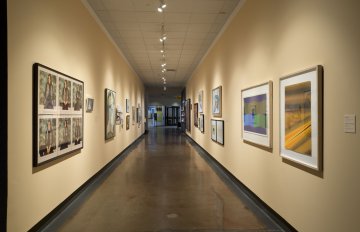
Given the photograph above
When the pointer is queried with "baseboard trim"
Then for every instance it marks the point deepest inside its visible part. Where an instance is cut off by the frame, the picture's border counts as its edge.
(240, 187)
(97, 177)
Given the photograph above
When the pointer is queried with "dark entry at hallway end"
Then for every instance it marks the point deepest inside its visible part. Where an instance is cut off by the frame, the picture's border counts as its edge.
(163, 184)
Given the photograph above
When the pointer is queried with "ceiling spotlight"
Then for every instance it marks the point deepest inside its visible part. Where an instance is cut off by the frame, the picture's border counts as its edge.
(163, 70)
(163, 65)
(162, 50)
(163, 38)
(164, 88)
(162, 6)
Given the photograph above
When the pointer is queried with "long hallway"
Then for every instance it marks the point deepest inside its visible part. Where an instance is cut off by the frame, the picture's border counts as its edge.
(162, 183)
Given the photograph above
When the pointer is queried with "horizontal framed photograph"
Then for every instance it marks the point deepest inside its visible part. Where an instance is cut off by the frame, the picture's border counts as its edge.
(217, 131)
(58, 114)
(301, 130)
(217, 101)
(257, 114)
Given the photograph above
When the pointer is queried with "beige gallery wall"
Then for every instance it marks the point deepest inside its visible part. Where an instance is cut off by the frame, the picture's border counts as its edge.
(265, 41)
(63, 35)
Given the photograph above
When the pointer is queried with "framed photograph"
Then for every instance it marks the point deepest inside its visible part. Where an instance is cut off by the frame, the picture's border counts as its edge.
(257, 114)
(58, 114)
(196, 121)
(133, 114)
(216, 101)
(201, 123)
(301, 104)
(110, 114)
(213, 130)
(89, 104)
(187, 114)
(127, 122)
(200, 101)
(217, 131)
(128, 105)
(137, 115)
(118, 116)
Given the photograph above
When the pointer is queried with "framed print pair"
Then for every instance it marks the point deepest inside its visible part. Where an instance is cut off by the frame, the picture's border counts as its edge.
(58, 120)
(217, 131)
(257, 114)
(301, 104)
(216, 99)
(110, 113)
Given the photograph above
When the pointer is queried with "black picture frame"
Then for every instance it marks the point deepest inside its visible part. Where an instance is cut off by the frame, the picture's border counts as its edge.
(110, 114)
(58, 122)
(217, 131)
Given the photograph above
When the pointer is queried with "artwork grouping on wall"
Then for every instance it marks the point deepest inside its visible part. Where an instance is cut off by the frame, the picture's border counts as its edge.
(196, 121)
(110, 113)
(58, 114)
(217, 131)
(301, 96)
(257, 114)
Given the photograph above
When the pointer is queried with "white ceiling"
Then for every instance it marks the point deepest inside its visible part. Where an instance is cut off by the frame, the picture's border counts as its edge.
(190, 25)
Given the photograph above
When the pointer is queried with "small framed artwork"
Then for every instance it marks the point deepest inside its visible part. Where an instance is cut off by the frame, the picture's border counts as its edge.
(89, 104)
(257, 114)
(217, 131)
(301, 104)
(200, 101)
(58, 114)
(216, 101)
(127, 122)
(196, 121)
(133, 114)
(187, 114)
(110, 113)
(201, 123)
(128, 105)
(118, 115)
(213, 129)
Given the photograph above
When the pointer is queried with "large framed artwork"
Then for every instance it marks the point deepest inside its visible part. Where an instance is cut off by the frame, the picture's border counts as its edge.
(196, 121)
(58, 114)
(217, 131)
(301, 130)
(201, 101)
(201, 123)
(110, 114)
(216, 101)
(257, 114)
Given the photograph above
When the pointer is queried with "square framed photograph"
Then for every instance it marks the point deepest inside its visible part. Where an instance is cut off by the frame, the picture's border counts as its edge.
(58, 114)
(301, 117)
(89, 104)
(216, 99)
(196, 115)
(200, 101)
(213, 130)
(257, 114)
(128, 105)
(201, 123)
(110, 113)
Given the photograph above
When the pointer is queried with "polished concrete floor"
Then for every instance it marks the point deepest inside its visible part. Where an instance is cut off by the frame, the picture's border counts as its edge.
(162, 184)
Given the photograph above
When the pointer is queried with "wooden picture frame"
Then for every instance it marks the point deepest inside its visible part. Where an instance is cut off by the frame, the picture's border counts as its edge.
(301, 117)
(257, 114)
(58, 104)
(110, 114)
(216, 100)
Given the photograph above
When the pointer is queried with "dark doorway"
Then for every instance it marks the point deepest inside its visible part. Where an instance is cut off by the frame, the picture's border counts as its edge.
(172, 116)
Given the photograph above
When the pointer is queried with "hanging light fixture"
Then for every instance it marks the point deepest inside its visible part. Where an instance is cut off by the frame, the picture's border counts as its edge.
(163, 36)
